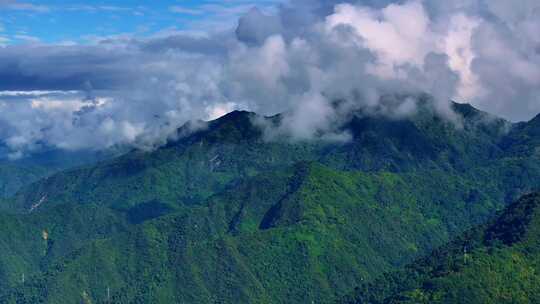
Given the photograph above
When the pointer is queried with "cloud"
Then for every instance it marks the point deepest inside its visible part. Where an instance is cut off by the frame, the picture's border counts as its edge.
(217, 16)
(215, 111)
(94, 8)
(254, 27)
(398, 34)
(23, 6)
(185, 10)
(316, 61)
(27, 38)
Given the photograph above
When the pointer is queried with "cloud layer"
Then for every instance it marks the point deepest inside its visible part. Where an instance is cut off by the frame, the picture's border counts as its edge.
(309, 54)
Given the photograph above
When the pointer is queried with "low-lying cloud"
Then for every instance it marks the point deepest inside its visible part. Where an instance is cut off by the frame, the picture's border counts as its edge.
(129, 91)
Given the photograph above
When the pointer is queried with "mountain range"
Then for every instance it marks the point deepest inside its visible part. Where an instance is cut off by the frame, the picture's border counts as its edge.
(222, 214)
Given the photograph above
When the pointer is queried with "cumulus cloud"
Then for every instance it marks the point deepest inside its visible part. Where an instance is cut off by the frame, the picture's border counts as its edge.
(316, 61)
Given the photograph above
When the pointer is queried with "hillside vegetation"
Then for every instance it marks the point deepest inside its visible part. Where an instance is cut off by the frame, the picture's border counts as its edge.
(498, 262)
(223, 215)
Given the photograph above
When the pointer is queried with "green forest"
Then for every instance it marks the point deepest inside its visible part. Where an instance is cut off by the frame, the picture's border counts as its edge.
(416, 209)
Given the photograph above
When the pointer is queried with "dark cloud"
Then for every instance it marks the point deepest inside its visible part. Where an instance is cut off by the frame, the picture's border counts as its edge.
(62, 67)
(255, 27)
(215, 45)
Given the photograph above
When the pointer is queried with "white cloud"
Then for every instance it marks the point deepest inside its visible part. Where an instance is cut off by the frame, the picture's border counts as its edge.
(34, 93)
(27, 38)
(4, 41)
(23, 6)
(458, 46)
(398, 34)
(185, 10)
(403, 35)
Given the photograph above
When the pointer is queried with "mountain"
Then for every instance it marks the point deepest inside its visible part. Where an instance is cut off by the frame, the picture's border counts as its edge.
(17, 173)
(523, 139)
(498, 262)
(222, 214)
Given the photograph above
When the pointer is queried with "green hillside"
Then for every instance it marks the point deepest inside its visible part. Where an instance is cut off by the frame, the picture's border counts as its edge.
(308, 233)
(224, 215)
(498, 262)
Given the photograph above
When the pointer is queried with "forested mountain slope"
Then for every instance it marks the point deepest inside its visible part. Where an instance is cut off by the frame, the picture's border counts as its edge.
(222, 214)
(498, 262)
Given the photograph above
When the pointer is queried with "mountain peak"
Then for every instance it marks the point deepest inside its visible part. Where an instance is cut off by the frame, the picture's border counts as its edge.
(232, 127)
(469, 112)
(465, 109)
(235, 115)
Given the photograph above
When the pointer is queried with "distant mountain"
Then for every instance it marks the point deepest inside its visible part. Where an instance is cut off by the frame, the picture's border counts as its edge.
(498, 262)
(222, 214)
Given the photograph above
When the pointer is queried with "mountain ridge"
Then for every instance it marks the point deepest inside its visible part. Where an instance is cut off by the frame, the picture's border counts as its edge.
(493, 263)
(221, 208)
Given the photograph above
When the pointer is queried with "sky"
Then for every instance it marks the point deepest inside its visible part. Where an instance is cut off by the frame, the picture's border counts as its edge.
(63, 22)
(96, 75)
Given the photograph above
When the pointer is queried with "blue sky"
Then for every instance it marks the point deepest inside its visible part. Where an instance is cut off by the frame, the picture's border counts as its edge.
(61, 21)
